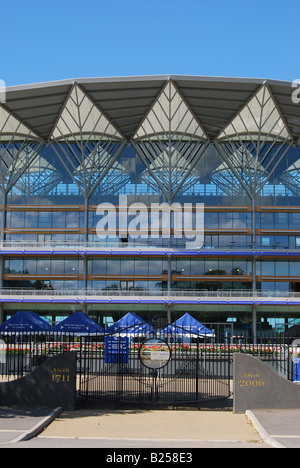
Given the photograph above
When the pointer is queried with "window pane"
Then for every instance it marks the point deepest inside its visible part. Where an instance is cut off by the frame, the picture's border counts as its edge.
(281, 220)
(31, 219)
(113, 266)
(267, 268)
(43, 266)
(13, 266)
(211, 220)
(155, 266)
(71, 267)
(142, 267)
(29, 266)
(16, 219)
(282, 268)
(59, 220)
(183, 266)
(72, 220)
(295, 268)
(294, 220)
(57, 267)
(45, 219)
(197, 267)
(97, 266)
(225, 220)
(267, 220)
(127, 266)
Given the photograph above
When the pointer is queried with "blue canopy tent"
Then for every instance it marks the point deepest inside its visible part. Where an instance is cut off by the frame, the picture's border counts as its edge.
(188, 326)
(130, 324)
(79, 324)
(25, 322)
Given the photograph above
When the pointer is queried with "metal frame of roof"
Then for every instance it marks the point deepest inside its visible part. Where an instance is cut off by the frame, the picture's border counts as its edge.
(126, 100)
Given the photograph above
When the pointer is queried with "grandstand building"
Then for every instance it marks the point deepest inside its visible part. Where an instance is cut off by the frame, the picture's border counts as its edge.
(159, 195)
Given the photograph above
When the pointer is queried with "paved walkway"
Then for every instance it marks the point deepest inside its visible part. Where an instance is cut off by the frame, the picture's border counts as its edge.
(165, 425)
(279, 427)
(18, 424)
(132, 428)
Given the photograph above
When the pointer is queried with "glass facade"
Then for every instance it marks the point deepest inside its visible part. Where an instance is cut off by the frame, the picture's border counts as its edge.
(247, 178)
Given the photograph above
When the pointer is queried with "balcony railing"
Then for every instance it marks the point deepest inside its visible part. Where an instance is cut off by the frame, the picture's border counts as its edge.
(153, 293)
(78, 245)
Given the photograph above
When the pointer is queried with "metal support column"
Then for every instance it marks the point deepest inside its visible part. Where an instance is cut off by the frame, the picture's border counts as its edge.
(169, 288)
(254, 322)
(86, 218)
(3, 225)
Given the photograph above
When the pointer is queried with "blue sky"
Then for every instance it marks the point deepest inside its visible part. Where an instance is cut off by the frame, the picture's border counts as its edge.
(94, 38)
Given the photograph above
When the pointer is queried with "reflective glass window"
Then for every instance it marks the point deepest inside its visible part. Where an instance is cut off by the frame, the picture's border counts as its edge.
(57, 267)
(142, 266)
(96, 285)
(72, 266)
(267, 268)
(294, 268)
(113, 266)
(281, 220)
(45, 219)
(31, 219)
(294, 220)
(267, 221)
(72, 219)
(97, 266)
(29, 266)
(112, 285)
(16, 219)
(183, 266)
(281, 241)
(211, 267)
(225, 220)
(155, 266)
(225, 267)
(240, 267)
(197, 267)
(239, 220)
(211, 220)
(43, 266)
(14, 265)
(265, 241)
(59, 221)
(281, 268)
(227, 241)
(267, 286)
(282, 286)
(127, 266)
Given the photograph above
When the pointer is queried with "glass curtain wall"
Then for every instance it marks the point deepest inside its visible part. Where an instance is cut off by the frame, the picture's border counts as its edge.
(51, 189)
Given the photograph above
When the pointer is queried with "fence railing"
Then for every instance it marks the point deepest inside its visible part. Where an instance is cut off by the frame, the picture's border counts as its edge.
(21, 353)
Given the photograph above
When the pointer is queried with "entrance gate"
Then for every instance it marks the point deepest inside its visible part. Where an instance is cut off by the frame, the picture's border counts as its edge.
(153, 369)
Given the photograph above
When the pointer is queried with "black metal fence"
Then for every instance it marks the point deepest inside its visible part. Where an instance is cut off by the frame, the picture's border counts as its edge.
(22, 353)
(148, 370)
(154, 371)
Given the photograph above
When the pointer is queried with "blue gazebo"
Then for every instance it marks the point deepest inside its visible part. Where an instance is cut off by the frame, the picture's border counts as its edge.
(188, 326)
(25, 322)
(78, 323)
(130, 324)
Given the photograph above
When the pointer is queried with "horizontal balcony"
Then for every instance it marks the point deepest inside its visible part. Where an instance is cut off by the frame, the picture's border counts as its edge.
(162, 297)
(125, 249)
